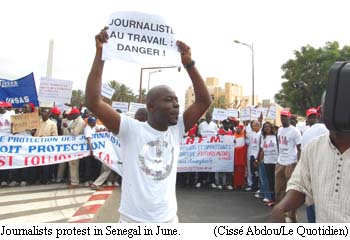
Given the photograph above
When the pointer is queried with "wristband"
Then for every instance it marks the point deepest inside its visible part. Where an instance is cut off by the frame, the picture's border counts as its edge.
(189, 65)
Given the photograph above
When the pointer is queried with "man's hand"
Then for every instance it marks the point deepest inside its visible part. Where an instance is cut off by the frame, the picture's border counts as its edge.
(185, 52)
(101, 38)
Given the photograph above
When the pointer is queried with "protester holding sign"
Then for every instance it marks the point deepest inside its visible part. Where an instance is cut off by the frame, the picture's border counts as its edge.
(149, 167)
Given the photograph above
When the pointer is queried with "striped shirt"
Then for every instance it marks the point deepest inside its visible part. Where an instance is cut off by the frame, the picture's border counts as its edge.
(323, 174)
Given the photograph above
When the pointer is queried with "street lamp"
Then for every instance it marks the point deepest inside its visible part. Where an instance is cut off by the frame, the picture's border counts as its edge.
(250, 46)
(150, 68)
(149, 76)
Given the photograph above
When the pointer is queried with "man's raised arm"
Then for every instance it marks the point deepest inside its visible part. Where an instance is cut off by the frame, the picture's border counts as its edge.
(103, 111)
(202, 97)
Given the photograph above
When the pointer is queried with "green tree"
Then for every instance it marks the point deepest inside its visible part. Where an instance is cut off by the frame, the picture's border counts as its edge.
(307, 75)
(78, 97)
(122, 93)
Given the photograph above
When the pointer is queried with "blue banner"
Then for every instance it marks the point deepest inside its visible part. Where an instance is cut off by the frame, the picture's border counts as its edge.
(19, 92)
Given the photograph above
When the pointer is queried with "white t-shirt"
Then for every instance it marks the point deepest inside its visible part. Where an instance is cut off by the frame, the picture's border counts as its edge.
(312, 132)
(88, 131)
(288, 139)
(269, 146)
(149, 170)
(208, 129)
(253, 142)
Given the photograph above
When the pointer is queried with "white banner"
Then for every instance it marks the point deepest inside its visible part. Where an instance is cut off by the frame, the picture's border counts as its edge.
(211, 154)
(208, 154)
(17, 151)
(55, 90)
(141, 38)
(107, 91)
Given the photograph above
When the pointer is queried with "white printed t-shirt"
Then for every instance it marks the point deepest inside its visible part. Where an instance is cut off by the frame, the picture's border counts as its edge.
(149, 170)
(288, 139)
(253, 142)
(269, 146)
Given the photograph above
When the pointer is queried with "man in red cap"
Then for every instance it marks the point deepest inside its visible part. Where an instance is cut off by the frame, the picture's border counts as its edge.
(289, 140)
(317, 128)
(74, 129)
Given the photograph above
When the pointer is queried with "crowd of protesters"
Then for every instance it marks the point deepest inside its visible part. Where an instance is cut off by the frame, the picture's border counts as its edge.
(265, 155)
(54, 122)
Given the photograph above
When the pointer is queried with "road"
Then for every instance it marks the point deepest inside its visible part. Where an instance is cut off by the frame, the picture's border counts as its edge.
(55, 203)
(207, 206)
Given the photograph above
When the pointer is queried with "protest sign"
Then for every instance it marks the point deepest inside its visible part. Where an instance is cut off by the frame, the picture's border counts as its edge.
(107, 91)
(233, 112)
(134, 106)
(141, 38)
(245, 114)
(55, 90)
(20, 91)
(210, 154)
(264, 111)
(271, 114)
(122, 106)
(26, 121)
(219, 114)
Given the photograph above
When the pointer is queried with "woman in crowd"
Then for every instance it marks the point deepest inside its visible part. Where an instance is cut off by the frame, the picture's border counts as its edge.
(267, 159)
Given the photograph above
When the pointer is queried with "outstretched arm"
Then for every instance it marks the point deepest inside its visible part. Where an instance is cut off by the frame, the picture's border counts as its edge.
(202, 97)
(103, 111)
(292, 200)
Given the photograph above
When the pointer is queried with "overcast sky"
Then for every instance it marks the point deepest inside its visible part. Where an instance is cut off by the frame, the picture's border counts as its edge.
(276, 28)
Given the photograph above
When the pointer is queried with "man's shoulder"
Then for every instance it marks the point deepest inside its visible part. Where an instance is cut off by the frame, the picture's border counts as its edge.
(320, 142)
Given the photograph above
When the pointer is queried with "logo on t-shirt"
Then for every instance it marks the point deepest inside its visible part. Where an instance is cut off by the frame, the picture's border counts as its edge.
(282, 140)
(156, 159)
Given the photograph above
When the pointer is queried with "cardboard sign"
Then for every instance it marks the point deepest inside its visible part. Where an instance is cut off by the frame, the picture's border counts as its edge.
(26, 121)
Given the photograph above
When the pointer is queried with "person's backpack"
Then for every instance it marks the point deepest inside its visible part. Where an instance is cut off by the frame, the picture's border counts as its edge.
(336, 110)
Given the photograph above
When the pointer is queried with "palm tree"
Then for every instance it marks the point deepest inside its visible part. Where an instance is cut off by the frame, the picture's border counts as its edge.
(122, 93)
(78, 97)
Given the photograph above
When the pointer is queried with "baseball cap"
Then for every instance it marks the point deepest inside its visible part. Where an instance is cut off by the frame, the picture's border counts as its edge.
(55, 110)
(92, 120)
(74, 110)
(3, 104)
(311, 111)
(286, 113)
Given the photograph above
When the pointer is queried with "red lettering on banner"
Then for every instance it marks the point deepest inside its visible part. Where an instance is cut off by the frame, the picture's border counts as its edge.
(6, 160)
(105, 157)
(215, 139)
(189, 140)
(200, 139)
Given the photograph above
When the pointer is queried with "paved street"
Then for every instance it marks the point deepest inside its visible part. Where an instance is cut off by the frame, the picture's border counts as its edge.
(55, 203)
(206, 206)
